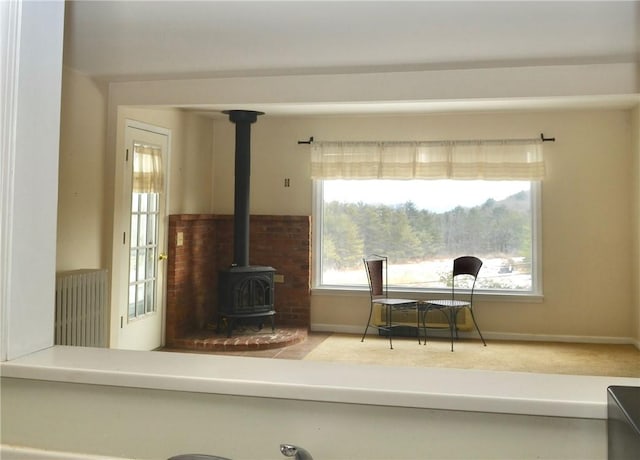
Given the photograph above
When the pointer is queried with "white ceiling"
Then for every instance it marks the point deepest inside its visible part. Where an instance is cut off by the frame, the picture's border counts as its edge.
(135, 40)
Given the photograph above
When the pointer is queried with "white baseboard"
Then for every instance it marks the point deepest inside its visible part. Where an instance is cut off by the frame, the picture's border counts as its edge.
(346, 329)
(339, 328)
(556, 338)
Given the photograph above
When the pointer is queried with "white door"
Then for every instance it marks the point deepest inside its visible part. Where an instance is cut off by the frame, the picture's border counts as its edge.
(143, 254)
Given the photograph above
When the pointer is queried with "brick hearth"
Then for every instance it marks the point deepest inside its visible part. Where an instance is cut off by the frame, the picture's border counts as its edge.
(282, 242)
(242, 341)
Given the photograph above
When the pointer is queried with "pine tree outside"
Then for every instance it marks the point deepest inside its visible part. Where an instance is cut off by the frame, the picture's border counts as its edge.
(421, 226)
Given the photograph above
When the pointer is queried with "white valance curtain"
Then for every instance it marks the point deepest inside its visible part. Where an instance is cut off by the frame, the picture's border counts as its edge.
(470, 160)
(148, 176)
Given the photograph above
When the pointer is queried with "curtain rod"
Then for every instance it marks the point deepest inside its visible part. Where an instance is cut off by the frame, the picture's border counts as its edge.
(310, 141)
(542, 138)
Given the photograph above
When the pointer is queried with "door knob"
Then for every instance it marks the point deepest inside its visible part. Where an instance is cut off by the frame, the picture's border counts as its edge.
(163, 256)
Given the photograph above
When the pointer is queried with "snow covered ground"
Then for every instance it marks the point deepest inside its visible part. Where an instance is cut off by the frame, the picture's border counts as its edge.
(496, 273)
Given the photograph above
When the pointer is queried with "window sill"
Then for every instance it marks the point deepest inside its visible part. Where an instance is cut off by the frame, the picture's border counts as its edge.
(445, 389)
(435, 294)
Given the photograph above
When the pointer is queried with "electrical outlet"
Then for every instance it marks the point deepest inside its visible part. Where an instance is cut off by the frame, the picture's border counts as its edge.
(180, 239)
(278, 278)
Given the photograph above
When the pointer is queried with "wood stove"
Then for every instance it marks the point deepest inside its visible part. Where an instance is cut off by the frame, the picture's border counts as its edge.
(245, 292)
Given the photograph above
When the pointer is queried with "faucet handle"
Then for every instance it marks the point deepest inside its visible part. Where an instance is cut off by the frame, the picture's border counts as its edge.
(289, 450)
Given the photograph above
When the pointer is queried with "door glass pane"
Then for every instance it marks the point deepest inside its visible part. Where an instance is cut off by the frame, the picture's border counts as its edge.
(134, 228)
(140, 299)
(132, 301)
(133, 258)
(150, 265)
(151, 229)
(143, 254)
(150, 297)
(153, 202)
(142, 237)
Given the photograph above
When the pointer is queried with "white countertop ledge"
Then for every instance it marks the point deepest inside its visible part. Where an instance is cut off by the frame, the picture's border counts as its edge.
(433, 388)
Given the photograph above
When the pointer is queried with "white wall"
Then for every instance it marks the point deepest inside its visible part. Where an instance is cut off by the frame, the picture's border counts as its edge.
(155, 424)
(275, 155)
(86, 180)
(82, 231)
(586, 197)
(31, 76)
(585, 203)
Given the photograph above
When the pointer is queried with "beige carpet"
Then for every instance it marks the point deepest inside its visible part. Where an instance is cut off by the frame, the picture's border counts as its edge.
(539, 357)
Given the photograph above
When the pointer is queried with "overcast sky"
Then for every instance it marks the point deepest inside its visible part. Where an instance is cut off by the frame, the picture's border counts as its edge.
(437, 196)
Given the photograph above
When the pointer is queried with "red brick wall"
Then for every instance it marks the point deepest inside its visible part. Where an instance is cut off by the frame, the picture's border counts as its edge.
(282, 242)
(189, 274)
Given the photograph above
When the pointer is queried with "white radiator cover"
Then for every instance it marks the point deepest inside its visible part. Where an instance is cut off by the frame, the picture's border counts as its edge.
(81, 308)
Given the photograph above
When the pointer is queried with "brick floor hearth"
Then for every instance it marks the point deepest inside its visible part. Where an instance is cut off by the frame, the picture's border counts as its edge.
(243, 339)
(282, 242)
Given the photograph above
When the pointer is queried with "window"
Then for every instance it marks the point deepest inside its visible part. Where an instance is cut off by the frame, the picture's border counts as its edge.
(421, 225)
(143, 254)
(144, 244)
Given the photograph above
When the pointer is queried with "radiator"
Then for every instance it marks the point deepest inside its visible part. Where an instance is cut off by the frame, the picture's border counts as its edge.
(81, 308)
(435, 319)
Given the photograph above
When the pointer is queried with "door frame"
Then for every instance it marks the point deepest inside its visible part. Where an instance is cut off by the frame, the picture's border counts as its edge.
(121, 223)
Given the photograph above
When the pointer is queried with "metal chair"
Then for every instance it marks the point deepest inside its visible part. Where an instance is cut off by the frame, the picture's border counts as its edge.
(376, 267)
(465, 265)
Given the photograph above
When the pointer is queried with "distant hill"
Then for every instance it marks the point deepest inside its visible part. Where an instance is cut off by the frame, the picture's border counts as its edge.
(405, 233)
(520, 202)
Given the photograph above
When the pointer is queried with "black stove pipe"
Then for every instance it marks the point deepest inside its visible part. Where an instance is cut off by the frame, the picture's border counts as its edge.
(243, 120)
